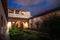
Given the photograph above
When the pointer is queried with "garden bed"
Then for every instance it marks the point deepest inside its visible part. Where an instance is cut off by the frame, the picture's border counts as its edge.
(18, 34)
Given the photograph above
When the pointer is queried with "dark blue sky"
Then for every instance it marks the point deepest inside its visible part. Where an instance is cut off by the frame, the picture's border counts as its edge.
(34, 6)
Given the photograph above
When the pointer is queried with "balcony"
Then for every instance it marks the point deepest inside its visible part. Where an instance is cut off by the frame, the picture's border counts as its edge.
(16, 15)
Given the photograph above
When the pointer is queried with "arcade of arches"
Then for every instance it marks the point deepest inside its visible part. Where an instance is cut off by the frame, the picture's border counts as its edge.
(19, 23)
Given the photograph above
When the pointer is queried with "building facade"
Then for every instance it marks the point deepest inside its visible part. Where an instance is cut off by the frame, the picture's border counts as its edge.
(23, 19)
(18, 18)
(3, 18)
(36, 21)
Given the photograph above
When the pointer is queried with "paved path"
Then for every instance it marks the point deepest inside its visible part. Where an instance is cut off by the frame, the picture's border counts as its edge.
(7, 37)
(4, 37)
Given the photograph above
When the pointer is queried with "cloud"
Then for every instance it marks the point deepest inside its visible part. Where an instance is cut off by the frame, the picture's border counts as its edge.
(37, 1)
(27, 2)
(36, 6)
(38, 9)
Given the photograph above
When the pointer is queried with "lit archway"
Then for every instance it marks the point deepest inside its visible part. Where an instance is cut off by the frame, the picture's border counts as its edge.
(25, 25)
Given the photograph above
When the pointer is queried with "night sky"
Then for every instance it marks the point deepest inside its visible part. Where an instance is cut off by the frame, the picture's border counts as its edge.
(34, 6)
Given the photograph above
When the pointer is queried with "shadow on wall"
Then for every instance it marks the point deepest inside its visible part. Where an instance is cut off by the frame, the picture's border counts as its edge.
(50, 28)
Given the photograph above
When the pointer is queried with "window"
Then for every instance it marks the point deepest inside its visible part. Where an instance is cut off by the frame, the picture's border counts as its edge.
(11, 12)
(22, 14)
(17, 12)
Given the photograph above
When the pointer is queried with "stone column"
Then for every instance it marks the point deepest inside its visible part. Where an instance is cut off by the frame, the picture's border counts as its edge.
(14, 11)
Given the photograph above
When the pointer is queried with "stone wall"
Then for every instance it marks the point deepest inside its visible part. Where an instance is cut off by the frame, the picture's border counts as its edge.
(40, 19)
(3, 22)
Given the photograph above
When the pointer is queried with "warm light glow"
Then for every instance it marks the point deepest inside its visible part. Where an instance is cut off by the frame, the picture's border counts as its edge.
(18, 23)
(9, 25)
(25, 24)
(13, 22)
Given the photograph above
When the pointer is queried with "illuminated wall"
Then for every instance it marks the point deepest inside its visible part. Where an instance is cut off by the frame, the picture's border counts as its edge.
(18, 13)
(25, 25)
(43, 17)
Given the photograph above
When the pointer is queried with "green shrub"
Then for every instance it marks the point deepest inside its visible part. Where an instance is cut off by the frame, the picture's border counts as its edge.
(29, 35)
(17, 34)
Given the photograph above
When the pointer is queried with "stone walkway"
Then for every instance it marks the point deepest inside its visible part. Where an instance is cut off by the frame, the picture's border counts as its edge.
(7, 37)
(4, 37)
